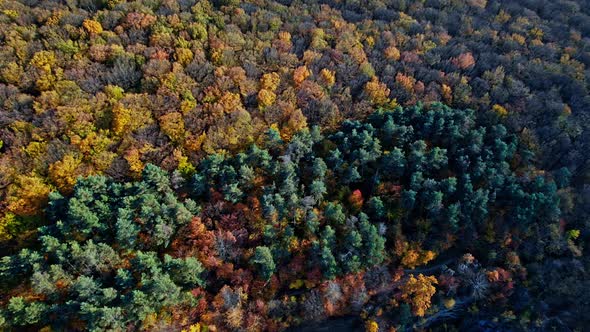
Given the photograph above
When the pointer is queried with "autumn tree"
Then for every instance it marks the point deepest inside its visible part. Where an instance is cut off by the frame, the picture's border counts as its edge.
(64, 173)
(418, 293)
(377, 92)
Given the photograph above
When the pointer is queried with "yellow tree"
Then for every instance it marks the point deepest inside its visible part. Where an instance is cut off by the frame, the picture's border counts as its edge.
(415, 256)
(183, 55)
(300, 74)
(94, 148)
(270, 81)
(133, 157)
(377, 92)
(48, 72)
(172, 124)
(27, 195)
(500, 110)
(392, 53)
(268, 85)
(63, 173)
(447, 93)
(185, 167)
(92, 26)
(127, 120)
(7, 223)
(418, 293)
(371, 326)
(266, 98)
(328, 77)
(296, 121)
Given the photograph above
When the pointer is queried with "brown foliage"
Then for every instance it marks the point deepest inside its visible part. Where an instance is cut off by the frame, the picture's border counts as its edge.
(300, 74)
(464, 60)
(392, 53)
(405, 81)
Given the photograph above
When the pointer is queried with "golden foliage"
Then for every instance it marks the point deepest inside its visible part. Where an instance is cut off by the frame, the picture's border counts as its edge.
(328, 77)
(405, 20)
(185, 167)
(93, 144)
(500, 110)
(43, 59)
(184, 56)
(447, 93)
(47, 78)
(12, 73)
(216, 55)
(418, 293)
(133, 157)
(194, 142)
(502, 17)
(520, 39)
(296, 121)
(449, 303)
(392, 53)
(266, 98)
(300, 74)
(36, 150)
(126, 120)
(195, 328)
(27, 195)
(573, 234)
(270, 81)
(285, 36)
(92, 26)
(64, 173)
(115, 93)
(172, 124)
(231, 135)
(358, 54)
(367, 68)
(187, 105)
(415, 256)
(377, 92)
(536, 33)
(428, 45)
(297, 284)
(318, 41)
(370, 41)
(372, 326)
(229, 102)
(13, 14)
(310, 56)
(122, 119)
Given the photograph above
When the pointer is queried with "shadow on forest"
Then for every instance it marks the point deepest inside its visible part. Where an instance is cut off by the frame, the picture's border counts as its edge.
(340, 324)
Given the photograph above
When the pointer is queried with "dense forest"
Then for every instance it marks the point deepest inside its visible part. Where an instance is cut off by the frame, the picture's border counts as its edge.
(267, 165)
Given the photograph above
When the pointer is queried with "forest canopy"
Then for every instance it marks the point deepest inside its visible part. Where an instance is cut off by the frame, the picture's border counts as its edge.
(398, 189)
(200, 165)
